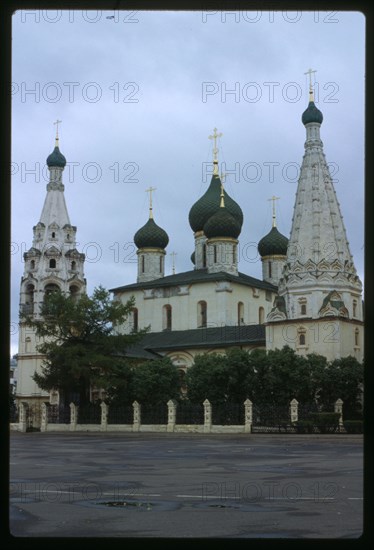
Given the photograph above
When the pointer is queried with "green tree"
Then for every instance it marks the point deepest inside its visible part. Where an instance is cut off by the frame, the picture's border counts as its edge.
(154, 382)
(208, 378)
(343, 379)
(79, 342)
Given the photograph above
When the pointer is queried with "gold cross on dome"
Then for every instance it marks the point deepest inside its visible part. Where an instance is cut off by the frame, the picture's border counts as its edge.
(273, 199)
(310, 72)
(57, 123)
(150, 190)
(215, 150)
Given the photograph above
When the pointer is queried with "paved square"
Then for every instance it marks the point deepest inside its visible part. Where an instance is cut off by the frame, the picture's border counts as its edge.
(181, 485)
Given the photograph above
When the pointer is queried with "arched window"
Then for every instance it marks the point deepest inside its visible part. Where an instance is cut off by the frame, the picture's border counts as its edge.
(53, 235)
(269, 264)
(357, 337)
(28, 344)
(32, 264)
(215, 253)
(143, 264)
(52, 263)
(166, 317)
(240, 313)
(261, 315)
(234, 254)
(302, 339)
(202, 310)
(354, 314)
(74, 291)
(161, 258)
(303, 309)
(51, 288)
(73, 265)
(135, 319)
(28, 307)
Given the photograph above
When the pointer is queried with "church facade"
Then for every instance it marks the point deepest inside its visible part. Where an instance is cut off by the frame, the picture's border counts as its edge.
(309, 297)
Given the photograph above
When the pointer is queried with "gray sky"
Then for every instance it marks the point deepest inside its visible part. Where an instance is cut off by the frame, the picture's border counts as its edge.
(138, 96)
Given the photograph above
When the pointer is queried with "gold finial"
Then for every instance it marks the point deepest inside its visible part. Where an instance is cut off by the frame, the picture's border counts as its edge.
(57, 123)
(173, 254)
(311, 94)
(150, 190)
(273, 198)
(215, 150)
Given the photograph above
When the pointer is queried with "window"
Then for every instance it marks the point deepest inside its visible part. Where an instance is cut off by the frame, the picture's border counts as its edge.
(234, 258)
(357, 337)
(204, 255)
(303, 309)
(354, 308)
(32, 264)
(53, 235)
(52, 263)
(51, 288)
(74, 291)
(73, 266)
(302, 339)
(143, 264)
(269, 264)
(166, 317)
(27, 344)
(160, 264)
(135, 319)
(215, 253)
(261, 315)
(240, 313)
(202, 314)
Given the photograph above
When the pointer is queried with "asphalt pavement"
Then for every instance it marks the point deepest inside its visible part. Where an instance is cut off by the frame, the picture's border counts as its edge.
(139, 485)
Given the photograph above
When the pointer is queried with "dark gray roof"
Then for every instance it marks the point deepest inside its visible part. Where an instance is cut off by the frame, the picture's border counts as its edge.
(198, 276)
(211, 337)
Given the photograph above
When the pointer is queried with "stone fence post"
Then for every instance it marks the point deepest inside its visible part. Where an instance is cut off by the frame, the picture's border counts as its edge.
(44, 422)
(294, 410)
(137, 416)
(172, 414)
(248, 415)
(338, 408)
(73, 416)
(22, 419)
(207, 416)
(104, 417)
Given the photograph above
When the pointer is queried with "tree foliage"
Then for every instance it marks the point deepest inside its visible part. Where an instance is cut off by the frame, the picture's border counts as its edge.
(276, 377)
(79, 342)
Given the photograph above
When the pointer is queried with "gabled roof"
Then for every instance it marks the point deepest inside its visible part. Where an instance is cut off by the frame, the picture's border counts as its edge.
(197, 276)
(212, 337)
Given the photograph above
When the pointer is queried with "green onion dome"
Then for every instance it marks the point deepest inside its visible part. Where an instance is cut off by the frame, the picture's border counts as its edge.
(274, 243)
(151, 236)
(209, 203)
(222, 224)
(56, 158)
(312, 114)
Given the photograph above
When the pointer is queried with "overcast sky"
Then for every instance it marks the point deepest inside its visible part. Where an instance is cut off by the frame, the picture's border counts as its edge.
(138, 94)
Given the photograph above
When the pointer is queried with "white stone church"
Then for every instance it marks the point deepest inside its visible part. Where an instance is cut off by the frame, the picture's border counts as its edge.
(310, 296)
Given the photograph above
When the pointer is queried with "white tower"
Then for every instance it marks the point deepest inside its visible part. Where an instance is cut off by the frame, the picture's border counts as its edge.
(53, 262)
(319, 307)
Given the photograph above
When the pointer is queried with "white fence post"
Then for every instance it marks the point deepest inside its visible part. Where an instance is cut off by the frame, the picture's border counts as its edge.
(294, 410)
(137, 416)
(338, 408)
(73, 416)
(172, 414)
(104, 417)
(207, 416)
(248, 415)
(44, 422)
(22, 419)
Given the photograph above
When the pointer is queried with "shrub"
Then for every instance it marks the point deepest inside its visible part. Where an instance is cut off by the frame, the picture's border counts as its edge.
(353, 426)
(326, 422)
(304, 426)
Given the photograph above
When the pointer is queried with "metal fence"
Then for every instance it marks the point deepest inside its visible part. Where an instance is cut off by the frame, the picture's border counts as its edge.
(271, 418)
(228, 414)
(189, 413)
(120, 415)
(89, 414)
(58, 414)
(154, 414)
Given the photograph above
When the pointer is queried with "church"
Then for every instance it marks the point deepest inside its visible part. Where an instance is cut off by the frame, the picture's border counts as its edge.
(309, 297)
